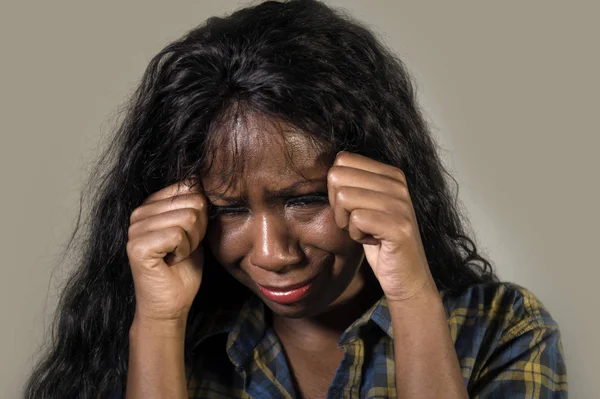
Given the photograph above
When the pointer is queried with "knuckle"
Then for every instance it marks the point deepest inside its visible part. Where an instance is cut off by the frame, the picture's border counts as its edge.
(405, 228)
(403, 191)
(131, 230)
(190, 217)
(199, 202)
(397, 190)
(135, 250)
(190, 223)
(399, 174)
(178, 234)
(341, 194)
(134, 215)
(129, 247)
(333, 175)
(341, 157)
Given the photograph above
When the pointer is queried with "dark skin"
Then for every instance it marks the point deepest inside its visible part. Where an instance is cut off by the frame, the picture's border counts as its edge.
(263, 231)
(344, 220)
(313, 355)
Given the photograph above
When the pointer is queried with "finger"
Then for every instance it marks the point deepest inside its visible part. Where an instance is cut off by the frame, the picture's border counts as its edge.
(341, 216)
(347, 199)
(370, 226)
(359, 236)
(150, 249)
(191, 268)
(184, 187)
(358, 161)
(351, 198)
(192, 220)
(339, 176)
(191, 200)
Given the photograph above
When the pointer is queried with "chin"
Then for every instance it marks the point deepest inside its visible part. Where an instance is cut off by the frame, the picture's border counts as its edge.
(295, 310)
(314, 300)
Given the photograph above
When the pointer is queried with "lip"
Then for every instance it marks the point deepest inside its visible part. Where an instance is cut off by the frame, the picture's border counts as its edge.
(288, 294)
(287, 287)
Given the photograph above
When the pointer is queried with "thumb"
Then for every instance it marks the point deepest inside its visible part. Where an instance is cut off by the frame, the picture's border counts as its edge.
(190, 269)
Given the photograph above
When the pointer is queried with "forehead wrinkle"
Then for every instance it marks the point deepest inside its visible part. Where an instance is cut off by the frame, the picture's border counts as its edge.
(246, 145)
(303, 146)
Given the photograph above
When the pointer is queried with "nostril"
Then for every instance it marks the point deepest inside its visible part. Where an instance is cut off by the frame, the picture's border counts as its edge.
(273, 249)
(276, 264)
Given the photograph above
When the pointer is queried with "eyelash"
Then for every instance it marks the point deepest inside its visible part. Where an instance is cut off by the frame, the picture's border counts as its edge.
(300, 201)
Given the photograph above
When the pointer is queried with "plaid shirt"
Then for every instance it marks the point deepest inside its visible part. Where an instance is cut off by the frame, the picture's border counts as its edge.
(507, 344)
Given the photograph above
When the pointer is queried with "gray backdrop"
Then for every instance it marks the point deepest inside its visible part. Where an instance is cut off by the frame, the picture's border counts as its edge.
(510, 88)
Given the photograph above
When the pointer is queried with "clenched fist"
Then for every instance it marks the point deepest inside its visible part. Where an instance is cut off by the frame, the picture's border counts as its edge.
(164, 251)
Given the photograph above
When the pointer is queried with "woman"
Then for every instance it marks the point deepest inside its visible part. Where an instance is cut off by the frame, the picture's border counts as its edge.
(275, 222)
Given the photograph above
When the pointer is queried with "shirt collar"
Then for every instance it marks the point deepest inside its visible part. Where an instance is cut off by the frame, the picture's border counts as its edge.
(246, 327)
(247, 331)
(378, 314)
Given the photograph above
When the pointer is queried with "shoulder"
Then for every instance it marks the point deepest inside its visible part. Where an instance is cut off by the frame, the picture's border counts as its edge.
(506, 307)
(506, 341)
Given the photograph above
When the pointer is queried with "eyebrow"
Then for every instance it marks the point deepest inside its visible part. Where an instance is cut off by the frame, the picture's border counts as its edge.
(281, 193)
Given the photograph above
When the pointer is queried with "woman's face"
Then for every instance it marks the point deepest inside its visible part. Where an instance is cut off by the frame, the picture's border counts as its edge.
(273, 229)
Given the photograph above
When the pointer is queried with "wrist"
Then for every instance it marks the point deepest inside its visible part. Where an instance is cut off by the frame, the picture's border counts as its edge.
(427, 301)
(423, 291)
(159, 328)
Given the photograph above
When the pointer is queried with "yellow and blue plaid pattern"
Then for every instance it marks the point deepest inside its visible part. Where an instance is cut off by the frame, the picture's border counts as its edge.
(507, 344)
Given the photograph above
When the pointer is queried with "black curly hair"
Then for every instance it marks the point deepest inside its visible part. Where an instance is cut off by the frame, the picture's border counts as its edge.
(298, 61)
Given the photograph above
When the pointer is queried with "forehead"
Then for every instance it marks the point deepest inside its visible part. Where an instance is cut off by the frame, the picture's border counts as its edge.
(255, 149)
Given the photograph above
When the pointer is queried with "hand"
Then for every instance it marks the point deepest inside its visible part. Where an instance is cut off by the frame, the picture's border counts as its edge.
(164, 252)
(371, 200)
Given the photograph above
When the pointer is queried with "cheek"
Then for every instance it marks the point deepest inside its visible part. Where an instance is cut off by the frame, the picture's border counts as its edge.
(231, 242)
(348, 253)
(324, 234)
(227, 243)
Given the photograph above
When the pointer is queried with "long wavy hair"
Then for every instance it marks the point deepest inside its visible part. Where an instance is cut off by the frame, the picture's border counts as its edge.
(298, 61)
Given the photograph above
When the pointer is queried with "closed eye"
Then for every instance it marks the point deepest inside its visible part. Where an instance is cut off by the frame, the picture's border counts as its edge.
(308, 200)
(301, 201)
(216, 210)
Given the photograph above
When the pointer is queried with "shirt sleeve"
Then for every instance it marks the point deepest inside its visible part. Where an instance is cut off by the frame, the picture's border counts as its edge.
(527, 361)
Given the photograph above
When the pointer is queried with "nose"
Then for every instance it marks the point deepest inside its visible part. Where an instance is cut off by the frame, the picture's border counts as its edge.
(273, 249)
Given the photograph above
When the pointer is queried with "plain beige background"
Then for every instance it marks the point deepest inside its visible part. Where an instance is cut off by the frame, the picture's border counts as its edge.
(511, 89)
